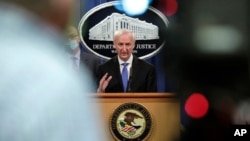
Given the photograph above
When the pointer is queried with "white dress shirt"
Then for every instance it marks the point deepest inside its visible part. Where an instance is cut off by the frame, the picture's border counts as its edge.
(129, 66)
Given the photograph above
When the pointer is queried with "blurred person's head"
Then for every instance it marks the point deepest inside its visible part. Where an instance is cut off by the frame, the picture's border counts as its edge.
(124, 43)
(55, 12)
(73, 39)
(72, 33)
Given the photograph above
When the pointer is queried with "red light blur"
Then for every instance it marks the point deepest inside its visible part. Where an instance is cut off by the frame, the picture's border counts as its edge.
(196, 105)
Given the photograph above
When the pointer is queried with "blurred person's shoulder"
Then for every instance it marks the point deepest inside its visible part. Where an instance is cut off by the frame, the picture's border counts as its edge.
(34, 50)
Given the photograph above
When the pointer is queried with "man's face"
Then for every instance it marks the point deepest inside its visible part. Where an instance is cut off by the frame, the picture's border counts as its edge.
(124, 45)
(72, 34)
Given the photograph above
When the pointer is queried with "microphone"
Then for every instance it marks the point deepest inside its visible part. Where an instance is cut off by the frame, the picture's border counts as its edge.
(129, 81)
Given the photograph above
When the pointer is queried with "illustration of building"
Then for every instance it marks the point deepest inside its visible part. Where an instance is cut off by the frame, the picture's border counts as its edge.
(104, 30)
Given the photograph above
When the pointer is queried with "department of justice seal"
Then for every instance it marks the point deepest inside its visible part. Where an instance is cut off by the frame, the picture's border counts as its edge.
(131, 122)
(98, 25)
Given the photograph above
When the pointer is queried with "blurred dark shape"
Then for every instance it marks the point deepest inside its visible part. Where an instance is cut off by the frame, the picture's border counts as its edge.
(168, 7)
(201, 57)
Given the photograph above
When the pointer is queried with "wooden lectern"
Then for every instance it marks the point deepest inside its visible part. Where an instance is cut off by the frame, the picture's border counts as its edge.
(164, 109)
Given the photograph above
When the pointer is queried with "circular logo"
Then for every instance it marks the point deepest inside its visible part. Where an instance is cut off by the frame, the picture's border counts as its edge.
(131, 122)
(98, 25)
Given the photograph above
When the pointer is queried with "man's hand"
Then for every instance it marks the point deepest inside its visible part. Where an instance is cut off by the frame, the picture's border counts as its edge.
(104, 83)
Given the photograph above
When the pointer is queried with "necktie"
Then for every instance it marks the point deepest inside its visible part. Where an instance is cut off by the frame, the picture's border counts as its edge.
(125, 76)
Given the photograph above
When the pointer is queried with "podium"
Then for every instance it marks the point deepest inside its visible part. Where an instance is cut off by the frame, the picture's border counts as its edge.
(164, 109)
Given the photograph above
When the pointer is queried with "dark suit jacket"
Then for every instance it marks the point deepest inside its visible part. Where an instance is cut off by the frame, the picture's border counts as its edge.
(90, 62)
(142, 76)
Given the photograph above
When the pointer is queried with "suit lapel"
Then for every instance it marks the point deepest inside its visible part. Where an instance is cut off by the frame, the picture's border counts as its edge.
(133, 73)
(134, 67)
(117, 73)
(84, 60)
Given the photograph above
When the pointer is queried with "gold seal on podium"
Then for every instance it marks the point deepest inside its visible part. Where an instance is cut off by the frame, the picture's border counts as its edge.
(131, 122)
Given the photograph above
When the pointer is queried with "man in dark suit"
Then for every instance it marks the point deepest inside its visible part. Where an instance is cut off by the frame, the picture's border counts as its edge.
(141, 76)
(91, 62)
(81, 59)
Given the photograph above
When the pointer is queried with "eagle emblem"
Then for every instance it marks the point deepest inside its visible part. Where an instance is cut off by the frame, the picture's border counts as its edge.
(128, 124)
(131, 122)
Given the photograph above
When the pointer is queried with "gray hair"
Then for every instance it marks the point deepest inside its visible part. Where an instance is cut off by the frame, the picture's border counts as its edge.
(124, 31)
